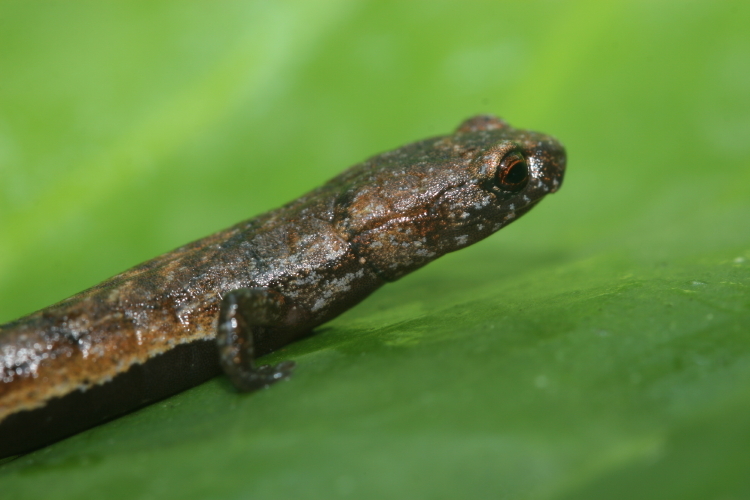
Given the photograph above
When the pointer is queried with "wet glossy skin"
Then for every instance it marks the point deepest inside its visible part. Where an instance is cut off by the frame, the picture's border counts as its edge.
(150, 331)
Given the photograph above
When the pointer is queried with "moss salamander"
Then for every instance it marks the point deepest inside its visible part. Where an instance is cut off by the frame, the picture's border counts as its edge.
(154, 330)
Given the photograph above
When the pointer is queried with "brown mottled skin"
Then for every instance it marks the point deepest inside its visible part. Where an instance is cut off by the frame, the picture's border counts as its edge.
(277, 276)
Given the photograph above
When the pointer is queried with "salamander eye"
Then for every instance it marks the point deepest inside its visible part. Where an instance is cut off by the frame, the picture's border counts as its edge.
(513, 172)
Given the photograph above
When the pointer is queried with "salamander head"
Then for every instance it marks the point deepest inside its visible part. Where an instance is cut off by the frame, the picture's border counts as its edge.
(404, 208)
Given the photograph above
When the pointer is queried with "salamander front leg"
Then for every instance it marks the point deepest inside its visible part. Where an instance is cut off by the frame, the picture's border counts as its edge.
(246, 316)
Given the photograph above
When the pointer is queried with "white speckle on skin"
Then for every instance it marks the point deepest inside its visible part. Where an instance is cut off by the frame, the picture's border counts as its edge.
(483, 202)
(424, 253)
(462, 239)
(319, 304)
(187, 310)
(336, 287)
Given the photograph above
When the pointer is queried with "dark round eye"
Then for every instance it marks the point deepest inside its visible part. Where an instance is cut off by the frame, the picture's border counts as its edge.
(513, 172)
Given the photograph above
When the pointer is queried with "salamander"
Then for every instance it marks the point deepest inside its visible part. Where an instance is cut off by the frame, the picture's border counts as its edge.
(218, 303)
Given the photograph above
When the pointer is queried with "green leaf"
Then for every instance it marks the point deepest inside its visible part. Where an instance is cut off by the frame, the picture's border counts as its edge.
(598, 348)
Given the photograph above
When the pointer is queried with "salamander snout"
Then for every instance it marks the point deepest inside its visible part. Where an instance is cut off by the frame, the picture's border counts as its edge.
(551, 157)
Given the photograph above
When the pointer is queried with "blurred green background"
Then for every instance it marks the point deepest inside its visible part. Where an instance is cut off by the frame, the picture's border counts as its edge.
(600, 348)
